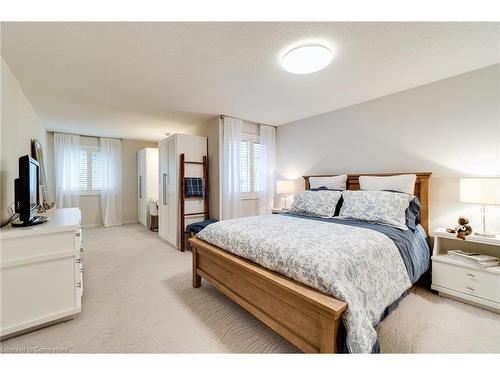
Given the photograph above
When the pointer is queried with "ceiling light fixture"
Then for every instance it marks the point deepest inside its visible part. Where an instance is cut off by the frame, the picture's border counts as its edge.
(306, 59)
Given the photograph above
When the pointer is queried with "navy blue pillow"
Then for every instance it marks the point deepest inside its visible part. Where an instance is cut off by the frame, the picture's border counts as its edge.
(339, 203)
(413, 214)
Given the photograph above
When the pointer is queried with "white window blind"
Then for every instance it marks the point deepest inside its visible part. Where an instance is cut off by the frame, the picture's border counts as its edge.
(245, 169)
(90, 170)
(96, 171)
(83, 170)
(250, 156)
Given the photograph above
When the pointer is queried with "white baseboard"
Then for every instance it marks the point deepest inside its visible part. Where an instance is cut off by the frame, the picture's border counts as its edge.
(97, 225)
(93, 225)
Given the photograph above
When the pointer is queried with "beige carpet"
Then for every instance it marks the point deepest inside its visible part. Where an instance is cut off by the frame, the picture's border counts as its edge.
(138, 298)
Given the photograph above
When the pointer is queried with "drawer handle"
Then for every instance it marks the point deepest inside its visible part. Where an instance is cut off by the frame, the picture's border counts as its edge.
(77, 234)
(79, 284)
(471, 289)
(471, 275)
(79, 260)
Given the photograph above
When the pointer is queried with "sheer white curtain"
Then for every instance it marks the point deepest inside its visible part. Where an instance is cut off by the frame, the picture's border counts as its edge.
(230, 176)
(111, 192)
(67, 169)
(265, 168)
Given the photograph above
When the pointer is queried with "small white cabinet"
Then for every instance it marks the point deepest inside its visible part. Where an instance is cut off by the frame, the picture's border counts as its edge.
(41, 272)
(459, 280)
(194, 148)
(147, 182)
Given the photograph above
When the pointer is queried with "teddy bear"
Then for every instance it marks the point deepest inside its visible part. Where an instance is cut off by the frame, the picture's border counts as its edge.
(462, 229)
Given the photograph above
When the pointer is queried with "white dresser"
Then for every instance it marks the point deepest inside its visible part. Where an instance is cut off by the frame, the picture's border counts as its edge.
(41, 271)
(458, 280)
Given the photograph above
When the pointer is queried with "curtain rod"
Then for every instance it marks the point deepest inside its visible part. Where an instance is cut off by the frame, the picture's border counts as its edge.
(82, 135)
(253, 122)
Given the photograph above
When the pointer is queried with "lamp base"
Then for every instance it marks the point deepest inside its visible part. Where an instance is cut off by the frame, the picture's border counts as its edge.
(485, 234)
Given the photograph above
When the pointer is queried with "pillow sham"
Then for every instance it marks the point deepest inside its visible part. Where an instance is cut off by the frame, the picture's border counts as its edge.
(380, 207)
(412, 212)
(404, 183)
(334, 182)
(339, 203)
(320, 203)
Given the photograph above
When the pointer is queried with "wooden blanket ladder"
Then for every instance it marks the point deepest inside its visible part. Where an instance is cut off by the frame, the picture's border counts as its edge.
(183, 197)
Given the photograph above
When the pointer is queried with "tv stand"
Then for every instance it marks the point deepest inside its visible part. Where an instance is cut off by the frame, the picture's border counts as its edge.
(34, 221)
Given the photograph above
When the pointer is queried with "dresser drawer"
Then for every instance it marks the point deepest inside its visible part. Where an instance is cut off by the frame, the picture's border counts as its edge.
(475, 282)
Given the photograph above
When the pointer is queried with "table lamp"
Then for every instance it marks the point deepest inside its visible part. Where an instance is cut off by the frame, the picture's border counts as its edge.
(285, 187)
(483, 191)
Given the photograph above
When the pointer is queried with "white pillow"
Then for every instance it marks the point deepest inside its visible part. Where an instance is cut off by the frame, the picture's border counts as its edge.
(320, 203)
(334, 182)
(404, 183)
(381, 207)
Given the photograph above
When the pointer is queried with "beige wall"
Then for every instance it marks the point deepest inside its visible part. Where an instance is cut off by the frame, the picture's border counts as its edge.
(212, 130)
(19, 125)
(90, 204)
(450, 128)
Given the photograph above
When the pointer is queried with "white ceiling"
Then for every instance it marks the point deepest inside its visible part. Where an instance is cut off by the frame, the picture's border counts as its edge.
(140, 80)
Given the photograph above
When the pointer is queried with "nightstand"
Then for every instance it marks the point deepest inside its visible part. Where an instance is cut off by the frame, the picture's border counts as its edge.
(279, 210)
(461, 281)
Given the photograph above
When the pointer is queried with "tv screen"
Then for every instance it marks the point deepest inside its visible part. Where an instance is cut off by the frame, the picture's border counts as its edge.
(33, 182)
(26, 188)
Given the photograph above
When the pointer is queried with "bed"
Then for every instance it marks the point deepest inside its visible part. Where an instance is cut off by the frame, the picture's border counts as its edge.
(305, 313)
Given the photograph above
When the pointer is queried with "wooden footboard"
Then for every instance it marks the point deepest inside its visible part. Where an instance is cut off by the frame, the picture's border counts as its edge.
(307, 318)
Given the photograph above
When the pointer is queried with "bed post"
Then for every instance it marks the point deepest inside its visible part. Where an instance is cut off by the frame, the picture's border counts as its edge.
(196, 277)
(329, 331)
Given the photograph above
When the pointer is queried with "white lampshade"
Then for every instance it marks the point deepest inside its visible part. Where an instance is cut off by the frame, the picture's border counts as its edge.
(285, 186)
(480, 190)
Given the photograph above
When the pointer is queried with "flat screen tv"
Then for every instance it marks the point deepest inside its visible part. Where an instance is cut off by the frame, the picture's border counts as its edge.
(27, 199)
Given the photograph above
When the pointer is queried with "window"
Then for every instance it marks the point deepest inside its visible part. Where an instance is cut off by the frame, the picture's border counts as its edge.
(90, 170)
(250, 155)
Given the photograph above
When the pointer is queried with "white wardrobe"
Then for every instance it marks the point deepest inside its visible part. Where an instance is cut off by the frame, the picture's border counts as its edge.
(170, 149)
(147, 182)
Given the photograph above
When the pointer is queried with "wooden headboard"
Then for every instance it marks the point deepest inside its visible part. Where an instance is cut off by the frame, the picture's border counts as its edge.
(421, 189)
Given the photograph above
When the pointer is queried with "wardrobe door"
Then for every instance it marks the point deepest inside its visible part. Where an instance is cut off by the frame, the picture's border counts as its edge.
(141, 188)
(162, 191)
(172, 188)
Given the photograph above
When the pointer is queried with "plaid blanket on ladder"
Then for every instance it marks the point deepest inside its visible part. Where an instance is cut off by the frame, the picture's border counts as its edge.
(194, 187)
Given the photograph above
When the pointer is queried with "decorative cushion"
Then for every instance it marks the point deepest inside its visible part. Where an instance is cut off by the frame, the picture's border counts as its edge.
(404, 183)
(380, 207)
(320, 203)
(334, 182)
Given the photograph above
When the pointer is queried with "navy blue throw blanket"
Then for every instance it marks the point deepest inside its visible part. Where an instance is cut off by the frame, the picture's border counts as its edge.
(193, 187)
(198, 227)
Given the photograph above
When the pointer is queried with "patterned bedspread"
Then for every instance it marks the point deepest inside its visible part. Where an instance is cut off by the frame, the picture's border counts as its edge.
(356, 265)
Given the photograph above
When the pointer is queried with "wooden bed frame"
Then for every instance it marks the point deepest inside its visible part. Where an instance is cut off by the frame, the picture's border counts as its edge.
(304, 316)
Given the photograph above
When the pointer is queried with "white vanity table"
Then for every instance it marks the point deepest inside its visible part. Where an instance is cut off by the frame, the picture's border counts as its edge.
(41, 272)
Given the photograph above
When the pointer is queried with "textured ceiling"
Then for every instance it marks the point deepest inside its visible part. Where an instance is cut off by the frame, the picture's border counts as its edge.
(140, 80)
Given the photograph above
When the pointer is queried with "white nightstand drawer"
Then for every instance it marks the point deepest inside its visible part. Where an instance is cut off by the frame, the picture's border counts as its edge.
(471, 281)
